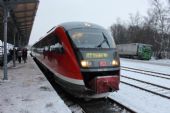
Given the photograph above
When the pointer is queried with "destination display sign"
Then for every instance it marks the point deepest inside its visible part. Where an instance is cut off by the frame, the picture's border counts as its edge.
(96, 55)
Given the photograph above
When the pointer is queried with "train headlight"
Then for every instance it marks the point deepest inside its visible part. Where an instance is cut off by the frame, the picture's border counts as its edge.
(86, 63)
(115, 63)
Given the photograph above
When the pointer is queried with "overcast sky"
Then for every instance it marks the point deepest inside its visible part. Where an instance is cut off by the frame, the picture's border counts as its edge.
(103, 12)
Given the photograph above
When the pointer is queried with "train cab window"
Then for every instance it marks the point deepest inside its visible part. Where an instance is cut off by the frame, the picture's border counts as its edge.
(91, 38)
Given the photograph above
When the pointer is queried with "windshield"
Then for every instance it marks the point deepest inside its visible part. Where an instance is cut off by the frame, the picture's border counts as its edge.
(145, 46)
(91, 38)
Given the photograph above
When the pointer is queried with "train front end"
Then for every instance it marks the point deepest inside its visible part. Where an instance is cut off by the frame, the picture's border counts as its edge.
(97, 57)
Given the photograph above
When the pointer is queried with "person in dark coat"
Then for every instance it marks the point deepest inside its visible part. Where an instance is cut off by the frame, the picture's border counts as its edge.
(24, 55)
(19, 55)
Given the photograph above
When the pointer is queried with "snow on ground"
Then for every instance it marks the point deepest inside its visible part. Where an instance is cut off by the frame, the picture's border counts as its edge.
(28, 91)
(161, 61)
(142, 101)
(145, 65)
(146, 78)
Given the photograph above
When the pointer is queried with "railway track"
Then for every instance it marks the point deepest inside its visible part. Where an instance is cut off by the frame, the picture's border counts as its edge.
(146, 62)
(105, 105)
(147, 86)
(78, 105)
(149, 73)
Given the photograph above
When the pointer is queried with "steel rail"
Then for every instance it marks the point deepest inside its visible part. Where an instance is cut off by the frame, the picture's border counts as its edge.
(153, 92)
(146, 62)
(146, 72)
(163, 87)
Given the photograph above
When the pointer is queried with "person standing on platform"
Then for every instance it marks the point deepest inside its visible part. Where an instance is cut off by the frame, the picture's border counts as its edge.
(19, 55)
(24, 55)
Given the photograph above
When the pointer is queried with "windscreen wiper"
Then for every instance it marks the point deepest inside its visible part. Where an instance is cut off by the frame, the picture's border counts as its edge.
(101, 43)
(104, 40)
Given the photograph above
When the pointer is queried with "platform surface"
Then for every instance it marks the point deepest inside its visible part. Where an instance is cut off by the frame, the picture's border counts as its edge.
(28, 91)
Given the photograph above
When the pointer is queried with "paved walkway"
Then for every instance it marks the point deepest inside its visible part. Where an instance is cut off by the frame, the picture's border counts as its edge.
(28, 91)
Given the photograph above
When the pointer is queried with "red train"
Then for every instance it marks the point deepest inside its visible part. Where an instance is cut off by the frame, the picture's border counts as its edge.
(83, 58)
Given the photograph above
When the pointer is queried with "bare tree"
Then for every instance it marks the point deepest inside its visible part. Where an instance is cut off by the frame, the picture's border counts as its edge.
(153, 29)
(136, 20)
(135, 27)
(160, 24)
(119, 32)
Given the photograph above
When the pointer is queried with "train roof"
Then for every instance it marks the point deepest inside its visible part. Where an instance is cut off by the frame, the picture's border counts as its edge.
(74, 25)
(71, 25)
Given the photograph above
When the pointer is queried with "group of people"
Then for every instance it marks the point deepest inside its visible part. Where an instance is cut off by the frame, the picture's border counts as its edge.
(21, 54)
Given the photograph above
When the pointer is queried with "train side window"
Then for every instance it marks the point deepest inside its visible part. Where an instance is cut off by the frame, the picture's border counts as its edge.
(46, 48)
(55, 45)
(58, 48)
(39, 50)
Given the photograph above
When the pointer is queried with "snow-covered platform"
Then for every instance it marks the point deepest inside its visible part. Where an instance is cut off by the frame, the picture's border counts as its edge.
(28, 91)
